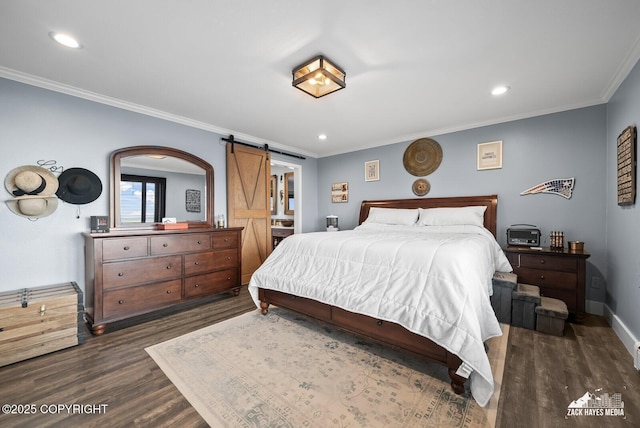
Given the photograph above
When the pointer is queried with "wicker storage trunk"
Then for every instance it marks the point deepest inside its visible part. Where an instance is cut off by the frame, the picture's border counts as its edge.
(40, 320)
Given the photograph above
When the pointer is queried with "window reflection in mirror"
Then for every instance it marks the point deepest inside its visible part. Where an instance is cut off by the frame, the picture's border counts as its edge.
(289, 200)
(142, 199)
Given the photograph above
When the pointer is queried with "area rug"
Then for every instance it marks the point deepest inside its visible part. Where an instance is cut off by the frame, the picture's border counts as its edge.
(287, 370)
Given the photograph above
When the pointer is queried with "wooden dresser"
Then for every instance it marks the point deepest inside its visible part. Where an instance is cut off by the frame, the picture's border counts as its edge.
(130, 273)
(559, 273)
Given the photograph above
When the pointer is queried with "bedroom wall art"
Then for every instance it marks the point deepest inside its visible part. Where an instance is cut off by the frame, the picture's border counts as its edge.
(489, 155)
(558, 186)
(421, 187)
(372, 170)
(339, 192)
(422, 157)
(627, 166)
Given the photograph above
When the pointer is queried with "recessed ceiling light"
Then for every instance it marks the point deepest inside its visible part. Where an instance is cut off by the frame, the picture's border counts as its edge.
(65, 40)
(499, 90)
(322, 137)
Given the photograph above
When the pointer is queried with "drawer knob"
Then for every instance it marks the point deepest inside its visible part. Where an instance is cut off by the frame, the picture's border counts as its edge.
(541, 261)
(379, 323)
(226, 239)
(120, 274)
(168, 291)
(541, 276)
(168, 266)
(196, 285)
(199, 242)
(228, 257)
(120, 302)
(196, 263)
(126, 248)
(228, 278)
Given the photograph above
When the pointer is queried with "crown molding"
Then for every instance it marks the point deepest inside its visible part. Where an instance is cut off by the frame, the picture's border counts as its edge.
(51, 85)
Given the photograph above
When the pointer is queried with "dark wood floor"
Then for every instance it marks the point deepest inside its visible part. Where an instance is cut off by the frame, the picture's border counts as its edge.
(543, 374)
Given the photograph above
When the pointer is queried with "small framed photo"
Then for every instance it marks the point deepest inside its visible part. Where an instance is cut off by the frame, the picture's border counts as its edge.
(339, 192)
(372, 170)
(99, 224)
(490, 155)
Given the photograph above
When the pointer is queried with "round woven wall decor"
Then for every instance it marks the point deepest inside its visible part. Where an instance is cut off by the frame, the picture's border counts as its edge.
(421, 187)
(422, 157)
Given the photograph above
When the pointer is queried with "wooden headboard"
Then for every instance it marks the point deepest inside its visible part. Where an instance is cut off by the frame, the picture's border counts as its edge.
(490, 201)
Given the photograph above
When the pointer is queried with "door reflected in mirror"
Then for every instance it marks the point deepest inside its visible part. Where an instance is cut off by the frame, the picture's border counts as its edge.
(289, 200)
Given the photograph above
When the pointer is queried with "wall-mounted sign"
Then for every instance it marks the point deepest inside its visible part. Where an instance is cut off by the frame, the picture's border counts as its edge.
(627, 166)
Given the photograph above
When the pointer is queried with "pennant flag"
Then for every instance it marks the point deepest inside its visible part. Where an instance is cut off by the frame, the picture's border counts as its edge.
(558, 186)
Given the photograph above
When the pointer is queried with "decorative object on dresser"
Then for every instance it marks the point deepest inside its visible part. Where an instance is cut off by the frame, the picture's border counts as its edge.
(560, 273)
(133, 272)
(39, 320)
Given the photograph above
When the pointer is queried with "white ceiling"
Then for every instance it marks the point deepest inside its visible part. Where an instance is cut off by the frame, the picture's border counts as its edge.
(415, 68)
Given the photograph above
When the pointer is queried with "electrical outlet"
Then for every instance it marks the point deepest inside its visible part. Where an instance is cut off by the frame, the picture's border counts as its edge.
(636, 356)
(596, 282)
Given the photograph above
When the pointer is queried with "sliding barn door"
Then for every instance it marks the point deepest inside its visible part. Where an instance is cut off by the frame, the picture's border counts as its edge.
(248, 181)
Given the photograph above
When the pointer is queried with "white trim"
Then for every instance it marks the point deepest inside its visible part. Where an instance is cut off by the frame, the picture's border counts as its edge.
(137, 108)
(626, 336)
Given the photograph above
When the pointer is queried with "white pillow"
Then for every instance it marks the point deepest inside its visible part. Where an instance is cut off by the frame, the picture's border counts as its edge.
(393, 216)
(452, 216)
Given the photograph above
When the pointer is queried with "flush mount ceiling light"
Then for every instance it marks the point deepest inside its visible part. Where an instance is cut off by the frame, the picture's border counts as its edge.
(65, 40)
(499, 90)
(318, 77)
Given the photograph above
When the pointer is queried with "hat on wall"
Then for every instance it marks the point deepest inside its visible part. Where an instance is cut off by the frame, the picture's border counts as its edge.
(79, 186)
(33, 206)
(30, 180)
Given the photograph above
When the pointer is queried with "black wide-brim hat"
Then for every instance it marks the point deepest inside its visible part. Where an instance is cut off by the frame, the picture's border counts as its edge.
(78, 186)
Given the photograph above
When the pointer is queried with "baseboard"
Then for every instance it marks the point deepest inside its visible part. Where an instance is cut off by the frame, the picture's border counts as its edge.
(593, 307)
(626, 337)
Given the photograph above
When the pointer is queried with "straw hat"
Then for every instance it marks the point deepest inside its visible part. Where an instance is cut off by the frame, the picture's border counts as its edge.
(33, 206)
(79, 186)
(422, 157)
(31, 180)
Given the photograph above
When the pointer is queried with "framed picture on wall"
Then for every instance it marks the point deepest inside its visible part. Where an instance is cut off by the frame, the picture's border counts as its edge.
(489, 155)
(372, 170)
(339, 192)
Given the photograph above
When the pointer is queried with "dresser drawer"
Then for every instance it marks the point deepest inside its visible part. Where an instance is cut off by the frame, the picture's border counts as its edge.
(199, 263)
(226, 258)
(546, 262)
(123, 248)
(175, 244)
(119, 274)
(225, 240)
(141, 299)
(547, 278)
(210, 283)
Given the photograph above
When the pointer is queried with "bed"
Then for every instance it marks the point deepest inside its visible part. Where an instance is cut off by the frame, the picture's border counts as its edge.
(415, 274)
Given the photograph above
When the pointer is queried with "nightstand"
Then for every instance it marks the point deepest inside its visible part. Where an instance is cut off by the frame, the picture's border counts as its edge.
(560, 274)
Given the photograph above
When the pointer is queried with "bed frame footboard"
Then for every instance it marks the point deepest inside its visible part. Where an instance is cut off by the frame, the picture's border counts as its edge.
(385, 332)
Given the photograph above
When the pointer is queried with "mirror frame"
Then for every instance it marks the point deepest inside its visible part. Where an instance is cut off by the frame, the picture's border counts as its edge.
(114, 182)
(287, 210)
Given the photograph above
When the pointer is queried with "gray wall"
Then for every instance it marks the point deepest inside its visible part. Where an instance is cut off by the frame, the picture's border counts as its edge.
(38, 124)
(562, 145)
(623, 222)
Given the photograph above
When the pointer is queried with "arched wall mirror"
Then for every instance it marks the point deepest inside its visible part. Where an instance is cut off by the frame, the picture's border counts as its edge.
(149, 183)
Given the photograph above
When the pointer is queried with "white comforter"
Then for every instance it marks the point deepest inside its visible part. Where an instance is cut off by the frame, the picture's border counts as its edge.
(433, 280)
